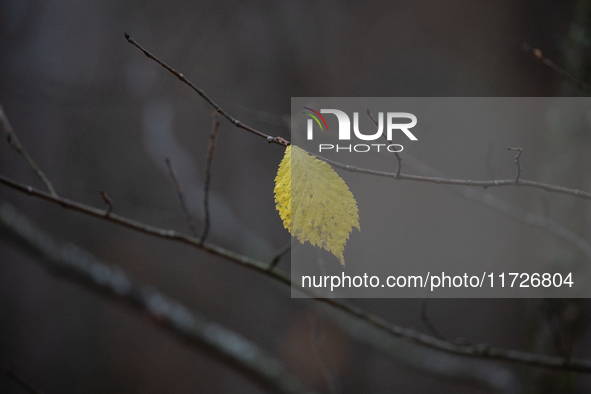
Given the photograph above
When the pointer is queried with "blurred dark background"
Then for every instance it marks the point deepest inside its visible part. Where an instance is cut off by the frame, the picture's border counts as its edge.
(96, 115)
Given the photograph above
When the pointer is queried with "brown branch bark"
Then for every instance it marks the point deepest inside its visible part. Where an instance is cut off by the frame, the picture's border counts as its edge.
(235, 122)
(476, 351)
(397, 175)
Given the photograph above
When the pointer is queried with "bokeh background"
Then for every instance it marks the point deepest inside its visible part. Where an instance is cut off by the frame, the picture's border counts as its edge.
(96, 114)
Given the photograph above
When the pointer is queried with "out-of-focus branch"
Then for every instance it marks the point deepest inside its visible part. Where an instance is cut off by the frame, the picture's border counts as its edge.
(171, 235)
(507, 209)
(235, 122)
(530, 219)
(279, 254)
(107, 201)
(384, 134)
(426, 321)
(476, 351)
(480, 373)
(20, 381)
(536, 54)
(82, 268)
(14, 142)
(512, 211)
(210, 149)
(181, 197)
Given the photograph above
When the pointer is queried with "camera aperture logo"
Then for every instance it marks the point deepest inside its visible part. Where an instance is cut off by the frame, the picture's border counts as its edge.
(344, 133)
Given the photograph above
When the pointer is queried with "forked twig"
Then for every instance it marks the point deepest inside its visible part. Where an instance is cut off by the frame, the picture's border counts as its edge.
(107, 201)
(461, 182)
(480, 351)
(398, 157)
(397, 175)
(14, 142)
(278, 255)
(517, 163)
(235, 122)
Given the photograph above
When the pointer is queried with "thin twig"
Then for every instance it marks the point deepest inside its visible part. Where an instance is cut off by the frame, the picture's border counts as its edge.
(181, 197)
(20, 381)
(107, 201)
(512, 211)
(143, 228)
(82, 268)
(475, 373)
(407, 334)
(277, 256)
(477, 351)
(235, 122)
(210, 149)
(14, 142)
(536, 54)
(460, 182)
(398, 157)
(397, 175)
(530, 219)
(517, 162)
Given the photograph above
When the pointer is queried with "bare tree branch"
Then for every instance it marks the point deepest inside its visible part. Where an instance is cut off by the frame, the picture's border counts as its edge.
(398, 157)
(507, 209)
(397, 175)
(460, 182)
(536, 54)
(171, 235)
(14, 142)
(277, 256)
(107, 201)
(530, 219)
(78, 266)
(517, 163)
(477, 351)
(181, 197)
(472, 372)
(519, 214)
(235, 122)
(210, 149)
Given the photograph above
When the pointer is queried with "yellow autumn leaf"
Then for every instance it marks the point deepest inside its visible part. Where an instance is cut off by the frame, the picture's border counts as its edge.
(314, 203)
